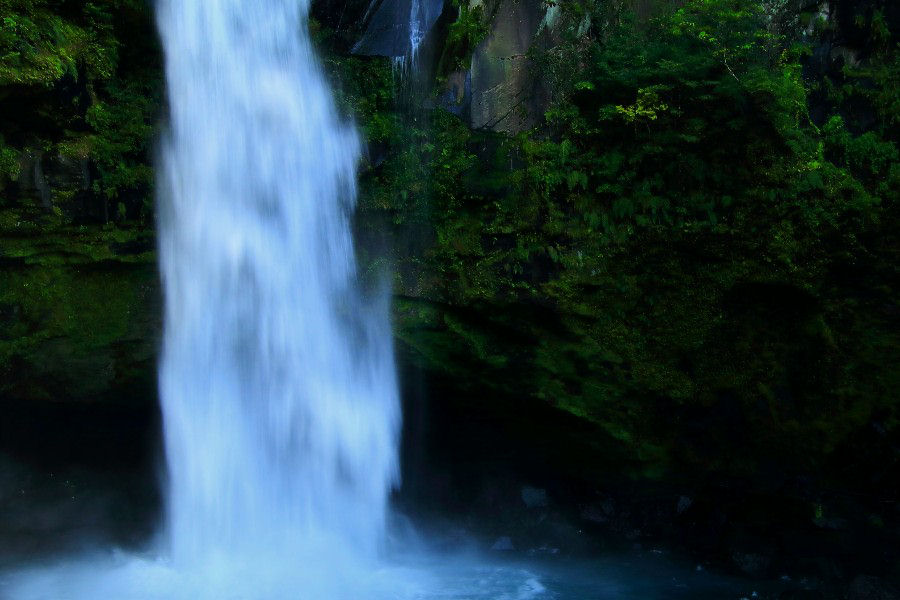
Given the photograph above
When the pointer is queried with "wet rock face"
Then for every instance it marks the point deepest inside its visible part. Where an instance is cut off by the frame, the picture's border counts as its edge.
(505, 94)
(396, 28)
(42, 174)
(340, 15)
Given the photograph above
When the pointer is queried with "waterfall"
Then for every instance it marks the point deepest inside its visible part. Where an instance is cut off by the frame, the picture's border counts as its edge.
(277, 380)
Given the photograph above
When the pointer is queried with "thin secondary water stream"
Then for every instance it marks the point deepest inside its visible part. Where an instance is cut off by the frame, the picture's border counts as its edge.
(280, 404)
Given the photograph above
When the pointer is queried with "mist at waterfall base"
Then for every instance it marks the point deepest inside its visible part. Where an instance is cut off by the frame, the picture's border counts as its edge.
(279, 400)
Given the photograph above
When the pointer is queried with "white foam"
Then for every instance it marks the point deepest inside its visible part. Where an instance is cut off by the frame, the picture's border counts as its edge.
(277, 380)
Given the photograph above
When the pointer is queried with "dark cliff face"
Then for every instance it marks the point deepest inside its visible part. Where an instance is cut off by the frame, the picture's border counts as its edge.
(640, 253)
(396, 28)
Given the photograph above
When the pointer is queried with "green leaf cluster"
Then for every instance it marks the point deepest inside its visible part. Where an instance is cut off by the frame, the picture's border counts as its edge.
(80, 82)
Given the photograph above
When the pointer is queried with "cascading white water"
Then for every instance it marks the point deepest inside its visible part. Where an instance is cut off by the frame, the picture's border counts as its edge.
(277, 382)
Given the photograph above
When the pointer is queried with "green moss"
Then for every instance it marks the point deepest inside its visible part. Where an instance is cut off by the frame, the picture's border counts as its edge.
(81, 84)
(75, 331)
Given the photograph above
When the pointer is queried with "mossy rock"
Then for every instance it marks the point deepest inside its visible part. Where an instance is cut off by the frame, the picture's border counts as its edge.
(80, 311)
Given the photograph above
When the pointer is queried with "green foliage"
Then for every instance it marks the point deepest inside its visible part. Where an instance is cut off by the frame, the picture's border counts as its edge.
(735, 33)
(364, 90)
(666, 255)
(9, 163)
(39, 46)
(82, 83)
(697, 101)
(465, 33)
(120, 146)
(647, 107)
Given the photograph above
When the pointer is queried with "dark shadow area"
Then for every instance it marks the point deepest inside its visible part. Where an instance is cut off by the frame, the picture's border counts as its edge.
(75, 476)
